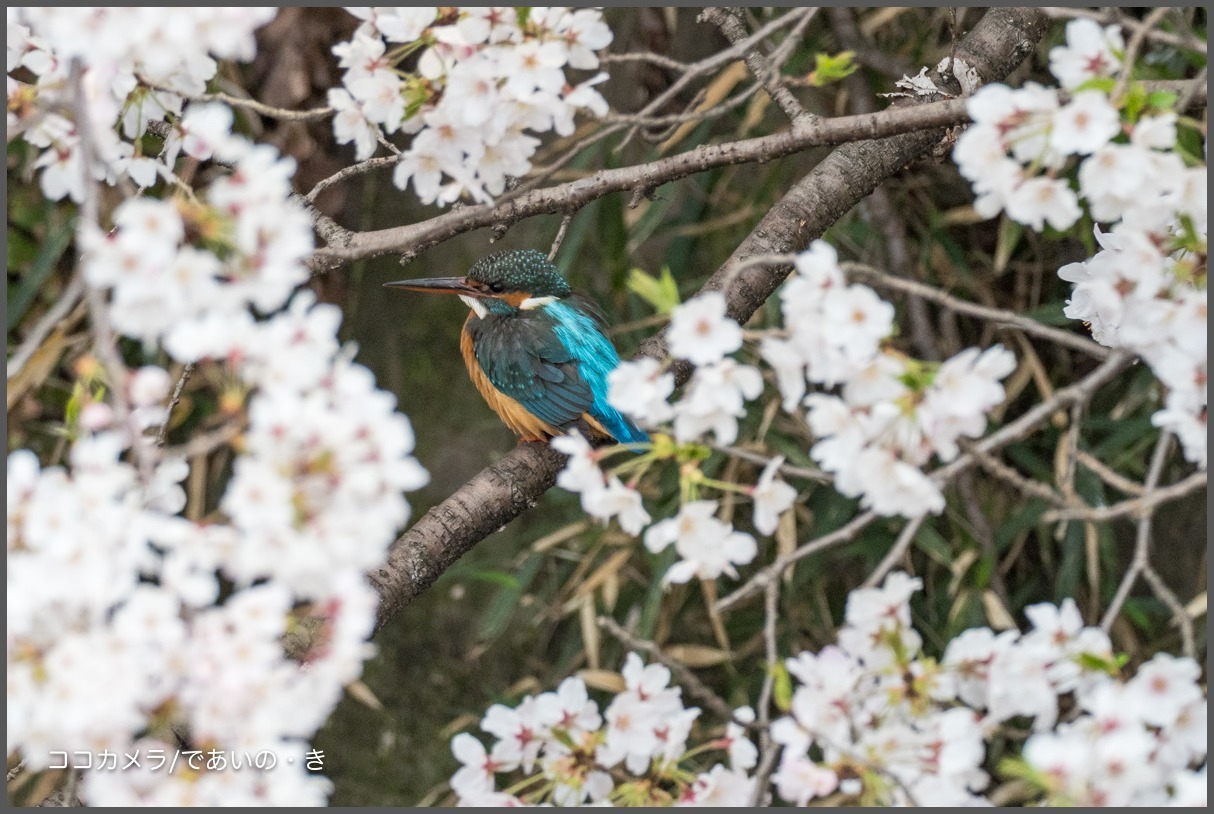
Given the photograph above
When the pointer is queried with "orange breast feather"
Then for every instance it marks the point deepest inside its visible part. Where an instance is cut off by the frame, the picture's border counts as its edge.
(521, 422)
(517, 417)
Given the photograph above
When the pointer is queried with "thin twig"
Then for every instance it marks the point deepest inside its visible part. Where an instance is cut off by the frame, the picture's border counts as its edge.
(670, 121)
(1148, 500)
(1186, 96)
(43, 327)
(1167, 596)
(349, 172)
(768, 748)
(560, 237)
(163, 434)
(1117, 18)
(1102, 471)
(1131, 52)
(999, 316)
(772, 572)
(896, 552)
(250, 104)
(661, 60)
(995, 467)
(206, 443)
(695, 687)
(786, 469)
(762, 69)
(1142, 543)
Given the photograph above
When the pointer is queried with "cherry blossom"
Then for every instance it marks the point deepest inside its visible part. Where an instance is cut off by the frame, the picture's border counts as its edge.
(484, 78)
(701, 332)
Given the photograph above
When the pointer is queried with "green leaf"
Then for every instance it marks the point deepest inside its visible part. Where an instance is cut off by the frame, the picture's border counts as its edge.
(829, 69)
(1019, 768)
(507, 581)
(1098, 663)
(1104, 84)
(497, 616)
(1162, 99)
(1023, 519)
(71, 413)
(930, 542)
(27, 290)
(782, 686)
(1135, 100)
(660, 292)
(1009, 237)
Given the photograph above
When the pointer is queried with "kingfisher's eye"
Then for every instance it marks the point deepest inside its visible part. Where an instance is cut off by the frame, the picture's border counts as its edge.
(497, 288)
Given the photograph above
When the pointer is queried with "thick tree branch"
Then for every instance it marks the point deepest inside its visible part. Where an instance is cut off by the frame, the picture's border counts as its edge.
(576, 194)
(1000, 41)
(921, 119)
(495, 496)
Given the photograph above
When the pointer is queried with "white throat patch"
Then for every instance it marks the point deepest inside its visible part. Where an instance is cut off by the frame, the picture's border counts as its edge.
(475, 305)
(535, 302)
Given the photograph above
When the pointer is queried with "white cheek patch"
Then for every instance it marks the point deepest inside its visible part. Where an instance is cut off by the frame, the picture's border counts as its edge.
(535, 302)
(475, 305)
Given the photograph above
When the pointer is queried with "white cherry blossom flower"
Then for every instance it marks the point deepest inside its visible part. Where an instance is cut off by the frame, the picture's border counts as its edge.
(1085, 124)
(617, 500)
(1090, 52)
(771, 497)
(640, 388)
(701, 332)
(706, 546)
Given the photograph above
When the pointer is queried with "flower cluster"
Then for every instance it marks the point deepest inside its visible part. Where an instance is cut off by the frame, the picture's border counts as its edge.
(633, 753)
(707, 547)
(716, 396)
(485, 79)
(115, 641)
(874, 721)
(892, 415)
(894, 412)
(138, 65)
(237, 633)
(1146, 289)
(179, 267)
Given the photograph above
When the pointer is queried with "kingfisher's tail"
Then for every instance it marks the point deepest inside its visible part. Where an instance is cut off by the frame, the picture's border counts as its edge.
(620, 428)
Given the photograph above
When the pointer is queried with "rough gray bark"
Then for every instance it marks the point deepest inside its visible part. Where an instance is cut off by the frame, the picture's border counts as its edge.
(999, 42)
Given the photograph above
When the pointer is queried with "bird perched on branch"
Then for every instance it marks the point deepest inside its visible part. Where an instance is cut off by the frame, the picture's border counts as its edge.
(534, 351)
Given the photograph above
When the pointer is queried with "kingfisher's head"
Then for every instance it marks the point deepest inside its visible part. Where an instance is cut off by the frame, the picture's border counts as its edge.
(502, 283)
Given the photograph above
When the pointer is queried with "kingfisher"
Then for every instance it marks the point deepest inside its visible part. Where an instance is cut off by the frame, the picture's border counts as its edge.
(534, 349)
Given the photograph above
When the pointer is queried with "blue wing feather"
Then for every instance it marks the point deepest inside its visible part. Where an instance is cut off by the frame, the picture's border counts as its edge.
(597, 357)
(555, 364)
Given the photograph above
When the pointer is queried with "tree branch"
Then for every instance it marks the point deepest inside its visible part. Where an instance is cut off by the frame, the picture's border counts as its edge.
(576, 194)
(1023, 425)
(770, 79)
(921, 118)
(999, 42)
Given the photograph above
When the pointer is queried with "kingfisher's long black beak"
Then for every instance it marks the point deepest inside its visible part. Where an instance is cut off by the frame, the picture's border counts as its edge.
(438, 285)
